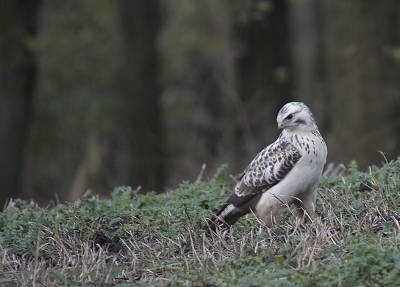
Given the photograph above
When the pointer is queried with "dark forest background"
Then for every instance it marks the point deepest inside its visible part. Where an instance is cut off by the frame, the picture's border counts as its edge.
(98, 94)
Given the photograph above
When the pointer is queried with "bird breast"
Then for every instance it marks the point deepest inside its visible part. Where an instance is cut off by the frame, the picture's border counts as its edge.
(311, 146)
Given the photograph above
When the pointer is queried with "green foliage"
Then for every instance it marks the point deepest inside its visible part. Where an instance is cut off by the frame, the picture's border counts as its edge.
(156, 239)
(364, 263)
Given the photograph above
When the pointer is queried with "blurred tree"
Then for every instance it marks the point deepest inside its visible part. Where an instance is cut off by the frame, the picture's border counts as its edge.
(17, 78)
(304, 48)
(139, 102)
(195, 44)
(72, 144)
(392, 74)
(308, 72)
(263, 68)
(355, 39)
(226, 73)
(306, 55)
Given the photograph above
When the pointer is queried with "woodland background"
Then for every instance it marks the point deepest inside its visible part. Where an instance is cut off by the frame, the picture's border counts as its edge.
(97, 94)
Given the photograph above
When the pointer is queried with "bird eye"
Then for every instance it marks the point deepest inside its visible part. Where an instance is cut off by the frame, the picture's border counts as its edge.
(289, 117)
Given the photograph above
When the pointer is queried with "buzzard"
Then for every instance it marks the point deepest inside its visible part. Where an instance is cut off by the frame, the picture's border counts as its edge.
(287, 172)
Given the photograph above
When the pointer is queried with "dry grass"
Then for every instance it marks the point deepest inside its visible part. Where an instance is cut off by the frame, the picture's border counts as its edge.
(160, 244)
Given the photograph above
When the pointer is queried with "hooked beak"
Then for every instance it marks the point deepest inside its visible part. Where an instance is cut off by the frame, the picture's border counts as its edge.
(280, 127)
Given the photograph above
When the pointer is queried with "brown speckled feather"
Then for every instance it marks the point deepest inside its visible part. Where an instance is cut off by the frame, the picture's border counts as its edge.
(267, 169)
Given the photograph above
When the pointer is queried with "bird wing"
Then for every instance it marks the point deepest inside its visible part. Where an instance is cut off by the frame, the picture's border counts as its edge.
(267, 169)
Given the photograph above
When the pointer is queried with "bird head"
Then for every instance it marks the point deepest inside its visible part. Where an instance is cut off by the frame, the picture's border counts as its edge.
(295, 115)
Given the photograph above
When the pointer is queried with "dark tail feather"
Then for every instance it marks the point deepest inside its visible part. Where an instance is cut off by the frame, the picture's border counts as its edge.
(224, 218)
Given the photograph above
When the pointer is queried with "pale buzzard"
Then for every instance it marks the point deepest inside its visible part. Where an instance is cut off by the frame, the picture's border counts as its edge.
(284, 173)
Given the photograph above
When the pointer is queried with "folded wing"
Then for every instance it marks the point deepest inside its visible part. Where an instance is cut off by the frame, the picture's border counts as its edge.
(267, 169)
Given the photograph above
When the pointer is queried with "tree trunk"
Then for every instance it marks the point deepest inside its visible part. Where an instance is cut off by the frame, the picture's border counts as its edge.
(140, 110)
(264, 66)
(17, 77)
(393, 75)
(355, 35)
(305, 51)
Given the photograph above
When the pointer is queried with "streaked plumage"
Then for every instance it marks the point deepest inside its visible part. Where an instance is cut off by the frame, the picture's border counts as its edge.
(284, 173)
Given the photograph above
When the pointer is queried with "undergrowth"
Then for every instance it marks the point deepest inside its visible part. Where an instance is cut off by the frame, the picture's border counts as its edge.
(156, 239)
